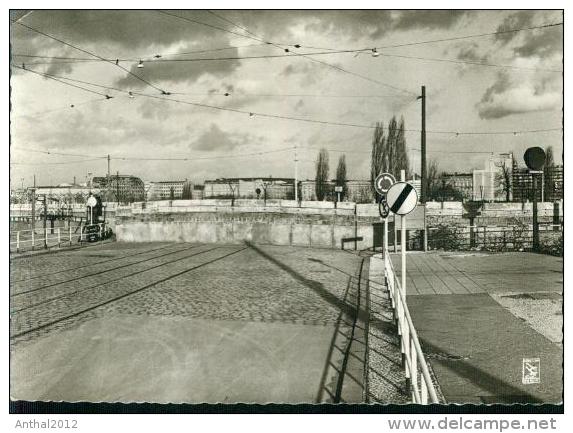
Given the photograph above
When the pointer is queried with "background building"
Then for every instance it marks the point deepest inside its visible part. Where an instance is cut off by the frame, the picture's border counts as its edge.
(170, 190)
(276, 188)
(549, 184)
(458, 183)
(63, 193)
(488, 184)
(120, 188)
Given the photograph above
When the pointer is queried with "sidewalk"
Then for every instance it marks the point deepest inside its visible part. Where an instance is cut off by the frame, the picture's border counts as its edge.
(475, 345)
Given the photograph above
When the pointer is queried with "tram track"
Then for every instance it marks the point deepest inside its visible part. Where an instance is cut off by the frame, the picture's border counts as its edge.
(80, 277)
(121, 296)
(63, 295)
(89, 264)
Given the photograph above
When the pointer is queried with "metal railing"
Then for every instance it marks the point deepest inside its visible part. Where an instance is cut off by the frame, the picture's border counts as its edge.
(496, 238)
(418, 377)
(42, 238)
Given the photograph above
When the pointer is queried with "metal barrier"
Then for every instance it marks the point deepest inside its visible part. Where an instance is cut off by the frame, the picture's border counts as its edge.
(31, 239)
(416, 369)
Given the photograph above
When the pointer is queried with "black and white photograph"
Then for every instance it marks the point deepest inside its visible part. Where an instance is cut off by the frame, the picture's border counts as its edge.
(320, 207)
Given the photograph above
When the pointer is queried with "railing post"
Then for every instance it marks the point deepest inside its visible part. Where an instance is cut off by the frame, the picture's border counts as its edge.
(423, 390)
(18, 241)
(414, 369)
(45, 237)
(33, 234)
(101, 232)
(59, 237)
(70, 233)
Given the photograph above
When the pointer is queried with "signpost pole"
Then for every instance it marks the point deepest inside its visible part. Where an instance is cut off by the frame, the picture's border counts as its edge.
(385, 236)
(535, 224)
(405, 332)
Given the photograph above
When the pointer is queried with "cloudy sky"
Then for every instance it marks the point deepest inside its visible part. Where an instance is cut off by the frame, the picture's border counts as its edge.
(205, 118)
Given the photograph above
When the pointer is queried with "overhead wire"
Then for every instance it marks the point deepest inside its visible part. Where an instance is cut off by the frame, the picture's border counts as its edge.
(91, 54)
(325, 51)
(148, 57)
(300, 119)
(73, 105)
(251, 35)
(55, 163)
(282, 56)
(143, 158)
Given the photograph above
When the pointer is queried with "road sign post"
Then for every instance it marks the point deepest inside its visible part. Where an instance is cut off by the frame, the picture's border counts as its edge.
(382, 184)
(338, 190)
(535, 160)
(402, 199)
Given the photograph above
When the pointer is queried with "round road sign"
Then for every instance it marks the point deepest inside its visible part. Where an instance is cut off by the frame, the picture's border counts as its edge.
(91, 202)
(402, 198)
(534, 158)
(383, 183)
(383, 209)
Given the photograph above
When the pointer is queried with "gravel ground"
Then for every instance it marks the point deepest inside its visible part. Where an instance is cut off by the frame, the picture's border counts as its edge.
(386, 381)
(543, 311)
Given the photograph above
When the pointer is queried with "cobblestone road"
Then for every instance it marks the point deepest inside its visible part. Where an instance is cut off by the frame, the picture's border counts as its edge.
(64, 301)
(266, 284)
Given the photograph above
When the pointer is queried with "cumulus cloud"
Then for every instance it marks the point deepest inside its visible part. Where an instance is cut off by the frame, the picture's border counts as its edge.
(509, 96)
(516, 20)
(542, 43)
(470, 52)
(310, 73)
(125, 34)
(428, 19)
(216, 139)
(375, 24)
(176, 72)
(154, 109)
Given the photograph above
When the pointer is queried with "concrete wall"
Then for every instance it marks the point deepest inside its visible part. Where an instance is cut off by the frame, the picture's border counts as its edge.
(232, 226)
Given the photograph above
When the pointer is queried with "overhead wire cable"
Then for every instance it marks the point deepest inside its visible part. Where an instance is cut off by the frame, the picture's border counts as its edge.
(92, 54)
(300, 119)
(289, 54)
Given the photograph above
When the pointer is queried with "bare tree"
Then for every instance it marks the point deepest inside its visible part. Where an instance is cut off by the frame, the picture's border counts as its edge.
(187, 193)
(321, 179)
(401, 158)
(503, 180)
(341, 176)
(389, 152)
(432, 180)
(379, 158)
(549, 173)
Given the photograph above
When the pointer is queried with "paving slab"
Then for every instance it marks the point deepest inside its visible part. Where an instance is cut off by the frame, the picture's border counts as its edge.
(476, 348)
(480, 314)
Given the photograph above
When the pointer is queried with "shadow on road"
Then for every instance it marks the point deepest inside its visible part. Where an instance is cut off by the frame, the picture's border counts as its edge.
(344, 333)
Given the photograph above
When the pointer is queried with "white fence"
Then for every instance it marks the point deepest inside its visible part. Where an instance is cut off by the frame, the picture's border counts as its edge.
(43, 238)
(418, 377)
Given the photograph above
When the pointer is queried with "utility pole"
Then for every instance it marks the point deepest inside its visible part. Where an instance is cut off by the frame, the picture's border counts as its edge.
(295, 176)
(423, 191)
(33, 222)
(108, 166)
(117, 187)
(535, 219)
(424, 180)
(45, 226)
